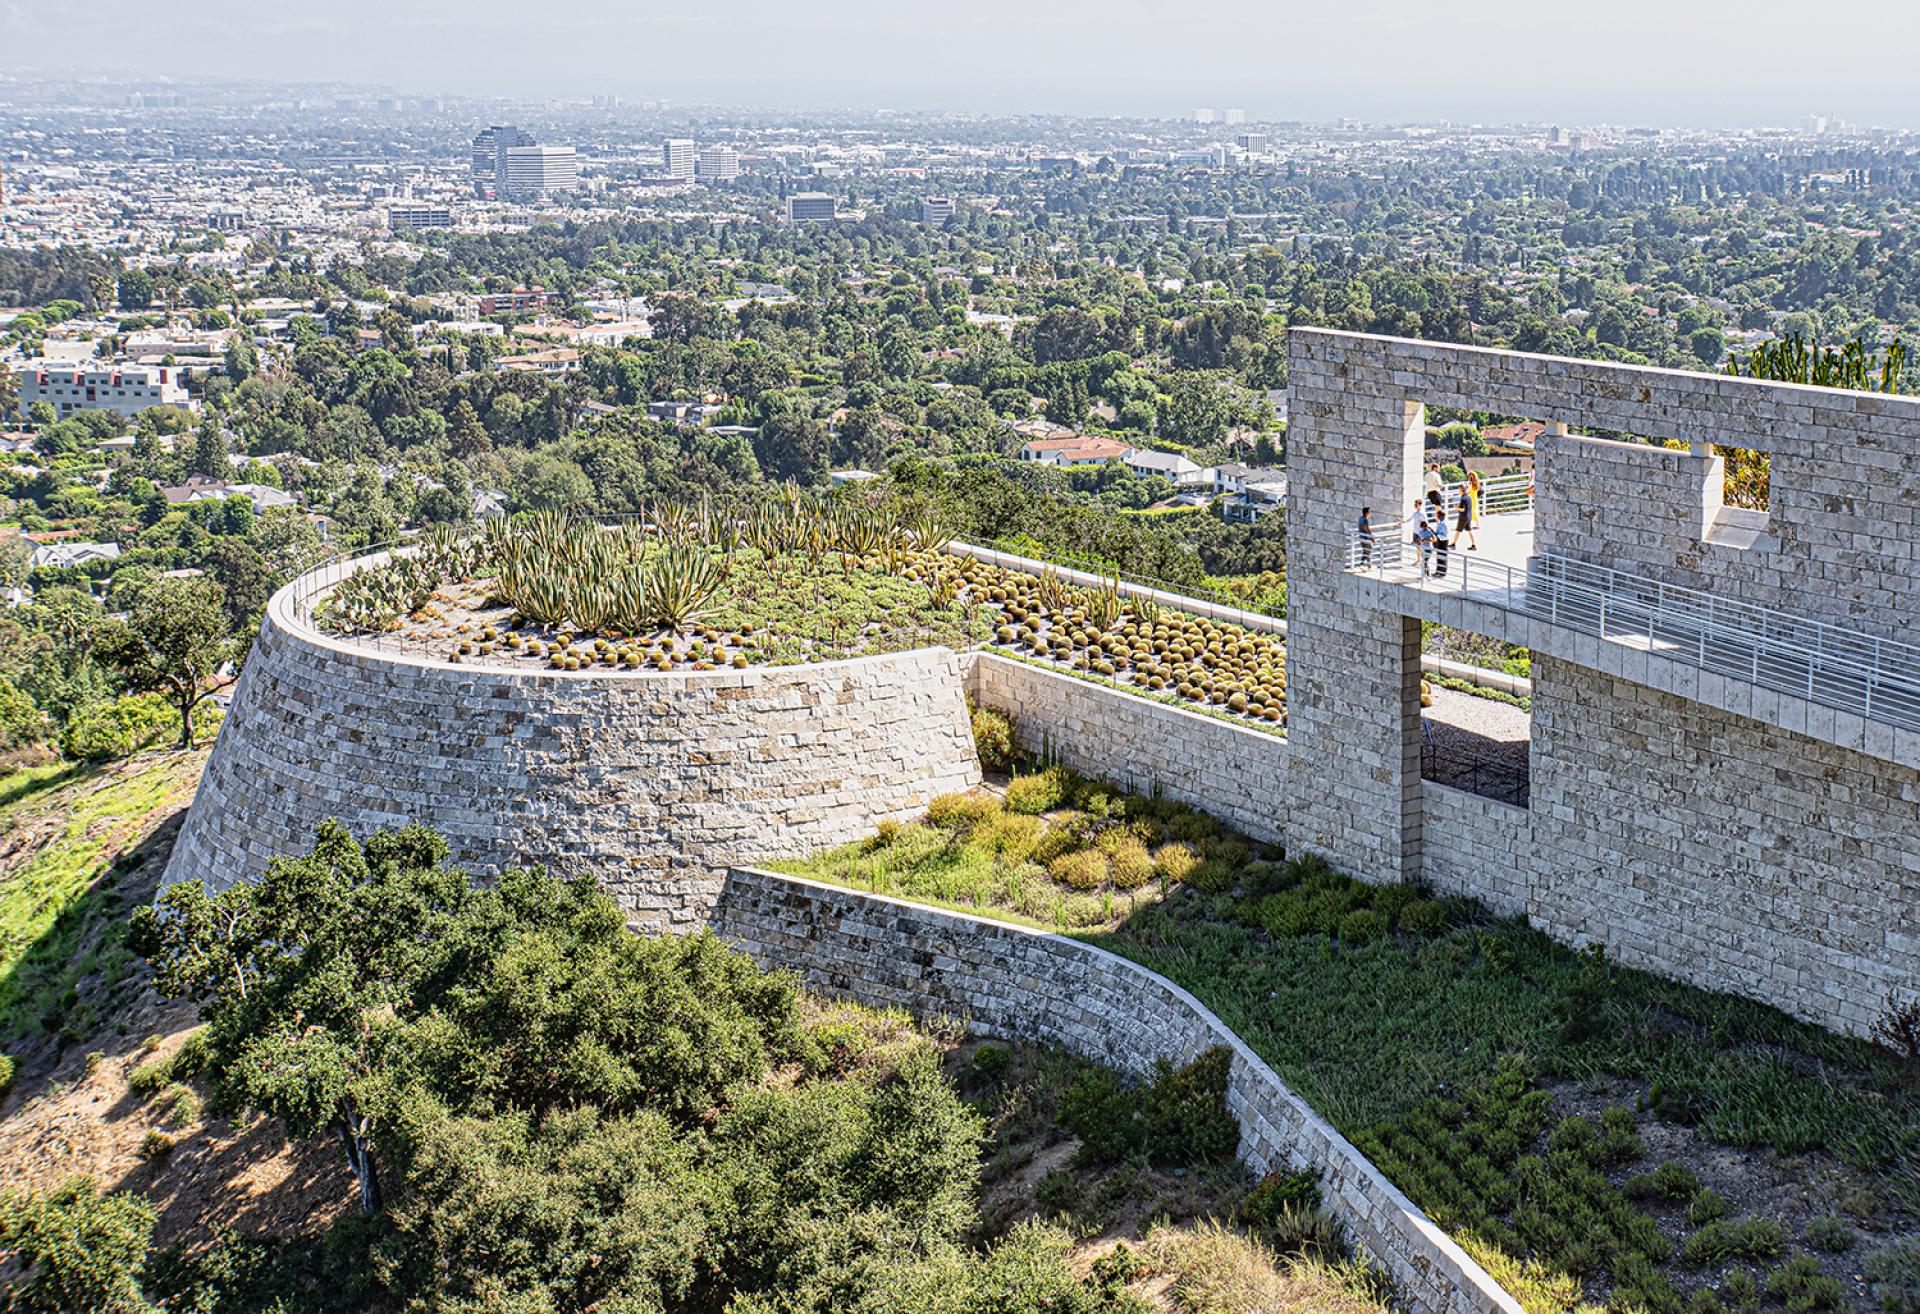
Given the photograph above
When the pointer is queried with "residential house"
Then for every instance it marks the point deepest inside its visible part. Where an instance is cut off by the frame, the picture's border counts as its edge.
(554, 360)
(1081, 449)
(1176, 468)
(71, 552)
(1249, 491)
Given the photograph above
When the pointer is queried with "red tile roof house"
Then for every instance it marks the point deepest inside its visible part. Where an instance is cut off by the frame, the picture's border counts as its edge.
(1078, 450)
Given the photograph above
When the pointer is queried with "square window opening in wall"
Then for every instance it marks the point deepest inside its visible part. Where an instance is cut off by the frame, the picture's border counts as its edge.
(1737, 500)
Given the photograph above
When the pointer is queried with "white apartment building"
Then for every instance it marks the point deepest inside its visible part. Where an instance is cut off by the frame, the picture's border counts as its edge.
(415, 215)
(719, 163)
(812, 208)
(676, 157)
(127, 389)
(540, 171)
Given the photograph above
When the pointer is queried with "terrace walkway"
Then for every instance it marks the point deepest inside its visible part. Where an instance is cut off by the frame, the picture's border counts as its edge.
(1855, 675)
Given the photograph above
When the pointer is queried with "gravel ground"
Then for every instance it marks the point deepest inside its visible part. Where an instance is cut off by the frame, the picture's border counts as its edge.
(1477, 744)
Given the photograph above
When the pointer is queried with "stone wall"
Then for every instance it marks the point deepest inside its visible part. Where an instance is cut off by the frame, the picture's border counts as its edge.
(1711, 830)
(1845, 505)
(1009, 981)
(652, 782)
(1353, 671)
(1477, 847)
(1146, 747)
(1721, 851)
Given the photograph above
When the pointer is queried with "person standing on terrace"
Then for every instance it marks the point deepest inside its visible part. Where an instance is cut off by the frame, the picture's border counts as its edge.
(1366, 537)
(1469, 512)
(1422, 534)
(1434, 482)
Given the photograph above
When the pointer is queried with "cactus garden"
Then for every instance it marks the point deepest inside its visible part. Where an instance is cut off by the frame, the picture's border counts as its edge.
(792, 581)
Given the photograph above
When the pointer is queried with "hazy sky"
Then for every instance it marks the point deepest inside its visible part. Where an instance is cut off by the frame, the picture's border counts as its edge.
(1633, 61)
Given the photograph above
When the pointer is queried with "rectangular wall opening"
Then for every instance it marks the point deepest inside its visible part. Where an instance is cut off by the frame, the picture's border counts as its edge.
(1476, 715)
(1737, 499)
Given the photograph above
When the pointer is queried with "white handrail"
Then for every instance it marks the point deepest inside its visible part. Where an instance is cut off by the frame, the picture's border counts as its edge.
(1875, 678)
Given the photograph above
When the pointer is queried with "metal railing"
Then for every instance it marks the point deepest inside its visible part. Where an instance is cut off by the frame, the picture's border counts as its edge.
(1861, 674)
(1499, 496)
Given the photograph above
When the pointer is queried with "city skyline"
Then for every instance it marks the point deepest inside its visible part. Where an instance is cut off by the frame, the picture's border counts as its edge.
(1486, 61)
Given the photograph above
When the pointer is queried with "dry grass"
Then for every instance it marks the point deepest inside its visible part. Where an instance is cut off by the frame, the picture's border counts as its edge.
(1209, 1269)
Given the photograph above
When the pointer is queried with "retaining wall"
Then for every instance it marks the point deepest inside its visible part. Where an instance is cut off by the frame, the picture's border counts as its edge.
(1010, 981)
(653, 782)
(1147, 747)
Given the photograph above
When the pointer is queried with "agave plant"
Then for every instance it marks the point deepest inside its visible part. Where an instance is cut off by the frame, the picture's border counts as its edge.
(931, 532)
(680, 584)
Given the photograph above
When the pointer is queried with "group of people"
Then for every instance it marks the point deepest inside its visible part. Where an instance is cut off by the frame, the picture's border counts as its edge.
(1432, 535)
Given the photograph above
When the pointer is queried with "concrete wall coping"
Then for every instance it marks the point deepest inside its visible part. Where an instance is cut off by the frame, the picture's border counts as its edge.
(1893, 406)
(282, 614)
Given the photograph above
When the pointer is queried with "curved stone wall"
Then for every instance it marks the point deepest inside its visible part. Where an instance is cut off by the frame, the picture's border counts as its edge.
(1010, 981)
(652, 782)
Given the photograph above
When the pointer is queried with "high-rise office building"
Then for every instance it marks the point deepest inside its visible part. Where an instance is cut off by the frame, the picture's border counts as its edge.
(1206, 116)
(1254, 142)
(540, 171)
(1233, 116)
(719, 163)
(490, 151)
(936, 210)
(812, 208)
(676, 156)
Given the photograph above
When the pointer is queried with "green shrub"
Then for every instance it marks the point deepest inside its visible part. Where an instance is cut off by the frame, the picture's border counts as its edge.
(1670, 1181)
(1282, 915)
(1362, 926)
(1041, 792)
(1740, 1291)
(1211, 876)
(1637, 1284)
(1132, 865)
(961, 811)
(1059, 1192)
(1064, 835)
(1304, 1230)
(990, 1061)
(1192, 826)
(1080, 911)
(1802, 1287)
(993, 739)
(1224, 849)
(1895, 1273)
(1179, 1120)
(75, 1249)
(183, 1106)
(1423, 917)
(1083, 869)
(1720, 1240)
(122, 727)
(1831, 1233)
(6, 1074)
(1174, 861)
(1705, 1207)
(1277, 1191)
(1009, 836)
(1617, 1142)
(155, 1145)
